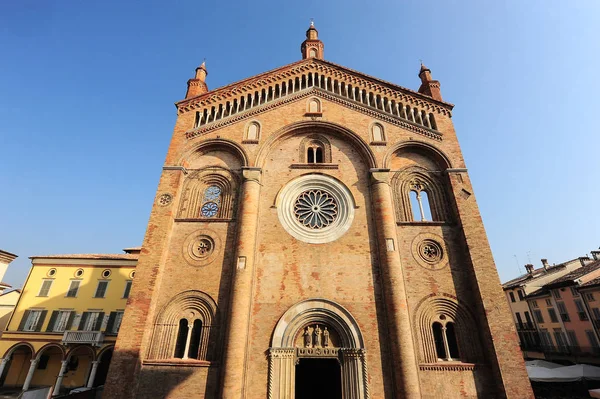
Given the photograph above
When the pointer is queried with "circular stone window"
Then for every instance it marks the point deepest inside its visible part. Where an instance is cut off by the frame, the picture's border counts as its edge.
(429, 251)
(200, 248)
(315, 209)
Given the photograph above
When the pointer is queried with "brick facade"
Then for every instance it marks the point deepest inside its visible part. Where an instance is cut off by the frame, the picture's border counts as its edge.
(386, 278)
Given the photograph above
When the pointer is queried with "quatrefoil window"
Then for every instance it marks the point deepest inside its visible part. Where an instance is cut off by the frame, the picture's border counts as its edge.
(316, 209)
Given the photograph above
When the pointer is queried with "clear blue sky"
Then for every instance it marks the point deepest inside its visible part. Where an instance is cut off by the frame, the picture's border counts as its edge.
(87, 91)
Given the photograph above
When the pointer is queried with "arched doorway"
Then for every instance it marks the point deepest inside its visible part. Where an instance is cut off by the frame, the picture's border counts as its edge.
(49, 361)
(79, 364)
(317, 351)
(15, 370)
(104, 358)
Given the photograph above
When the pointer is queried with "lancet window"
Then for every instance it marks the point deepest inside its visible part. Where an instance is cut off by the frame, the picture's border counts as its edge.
(189, 340)
(444, 336)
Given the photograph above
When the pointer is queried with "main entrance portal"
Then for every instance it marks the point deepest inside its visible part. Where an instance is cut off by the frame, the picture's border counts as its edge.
(317, 351)
(318, 379)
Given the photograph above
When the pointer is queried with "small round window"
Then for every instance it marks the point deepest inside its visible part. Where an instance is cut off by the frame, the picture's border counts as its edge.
(106, 273)
(79, 273)
(51, 272)
(132, 274)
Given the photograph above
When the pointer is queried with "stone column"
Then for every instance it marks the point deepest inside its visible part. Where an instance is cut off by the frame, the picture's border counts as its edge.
(59, 379)
(34, 363)
(188, 340)
(353, 383)
(282, 373)
(405, 370)
(90, 383)
(241, 289)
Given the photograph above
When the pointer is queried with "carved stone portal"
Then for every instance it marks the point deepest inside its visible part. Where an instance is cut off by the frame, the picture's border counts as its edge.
(317, 328)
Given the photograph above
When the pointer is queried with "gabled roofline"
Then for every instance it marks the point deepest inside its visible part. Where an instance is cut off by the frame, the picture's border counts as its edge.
(381, 82)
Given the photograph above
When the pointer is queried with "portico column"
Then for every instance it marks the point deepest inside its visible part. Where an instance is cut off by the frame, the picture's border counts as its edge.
(405, 370)
(90, 383)
(34, 363)
(3, 365)
(59, 379)
(239, 314)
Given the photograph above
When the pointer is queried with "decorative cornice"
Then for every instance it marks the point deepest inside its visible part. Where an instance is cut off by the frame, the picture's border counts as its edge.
(357, 106)
(450, 366)
(7, 257)
(347, 75)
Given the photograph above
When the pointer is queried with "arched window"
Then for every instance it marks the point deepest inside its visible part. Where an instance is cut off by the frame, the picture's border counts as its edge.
(438, 338)
(314, 106)
(314, 153)
(182, 334)
(315, 149)
(377, 135)
(444, 337)
(312, 53)
(195, 340)
(185, 328)
(419, 201)
(432, 122)
(252, 132)
(211, 202)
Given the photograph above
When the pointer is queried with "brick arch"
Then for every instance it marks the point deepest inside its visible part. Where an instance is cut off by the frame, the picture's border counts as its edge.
(425, 314)
(316, 127)
(198, 181)
(432, 152)
(216, 144)
(182, 306)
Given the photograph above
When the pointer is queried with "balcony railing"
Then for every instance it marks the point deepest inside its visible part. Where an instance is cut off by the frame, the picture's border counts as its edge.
(83, 337)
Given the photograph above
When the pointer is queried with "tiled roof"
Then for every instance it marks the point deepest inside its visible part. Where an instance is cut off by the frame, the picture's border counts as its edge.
(575, 274)
(530, 277)
(537, 292)
(90, 256)
(3, 284)
(591, 283)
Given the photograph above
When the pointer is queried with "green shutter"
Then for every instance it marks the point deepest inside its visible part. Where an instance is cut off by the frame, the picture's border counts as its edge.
(52, 321)
(99, 321)
(83, 320)
(24, 320)
(40, 322)
(70, 320)
(111, 322)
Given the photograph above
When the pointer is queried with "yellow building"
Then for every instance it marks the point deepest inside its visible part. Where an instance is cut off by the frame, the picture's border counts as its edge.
(8, 297)
(65, 323)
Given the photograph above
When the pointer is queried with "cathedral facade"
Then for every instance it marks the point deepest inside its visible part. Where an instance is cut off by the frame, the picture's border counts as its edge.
(315, 235)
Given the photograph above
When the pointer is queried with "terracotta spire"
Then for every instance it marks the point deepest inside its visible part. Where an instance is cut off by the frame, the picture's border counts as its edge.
(312, 47)
(429, 86)
(197, 85)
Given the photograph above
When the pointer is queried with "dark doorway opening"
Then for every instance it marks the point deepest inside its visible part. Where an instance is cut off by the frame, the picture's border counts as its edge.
(318, 379)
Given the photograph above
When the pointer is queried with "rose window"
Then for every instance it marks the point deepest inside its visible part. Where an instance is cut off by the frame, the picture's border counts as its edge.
(430, 251)
(202, 247)
(209, 209)
(316, 209)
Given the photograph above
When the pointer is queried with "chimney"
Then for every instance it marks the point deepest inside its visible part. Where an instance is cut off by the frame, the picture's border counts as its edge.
(529, 268)
(596, 255)
(545, 264)
(583, 260)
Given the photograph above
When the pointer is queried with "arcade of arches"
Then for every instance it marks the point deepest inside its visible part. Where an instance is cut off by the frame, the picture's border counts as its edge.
(54, 365)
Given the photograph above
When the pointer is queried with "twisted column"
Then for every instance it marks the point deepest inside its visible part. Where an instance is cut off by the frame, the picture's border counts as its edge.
(405, 370)
(241, 289)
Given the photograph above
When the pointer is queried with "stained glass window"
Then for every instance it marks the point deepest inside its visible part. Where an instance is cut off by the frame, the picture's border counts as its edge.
(211, 202)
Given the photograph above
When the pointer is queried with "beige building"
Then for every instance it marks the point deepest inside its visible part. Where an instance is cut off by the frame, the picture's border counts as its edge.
(8, 297)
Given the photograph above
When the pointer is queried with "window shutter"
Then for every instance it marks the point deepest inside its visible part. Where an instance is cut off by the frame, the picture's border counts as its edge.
(111, 322)
(99, 321)
(40, 322)
(127, 289)
(24, 320)
(70, 320)
(83, 320)
(52, 321)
